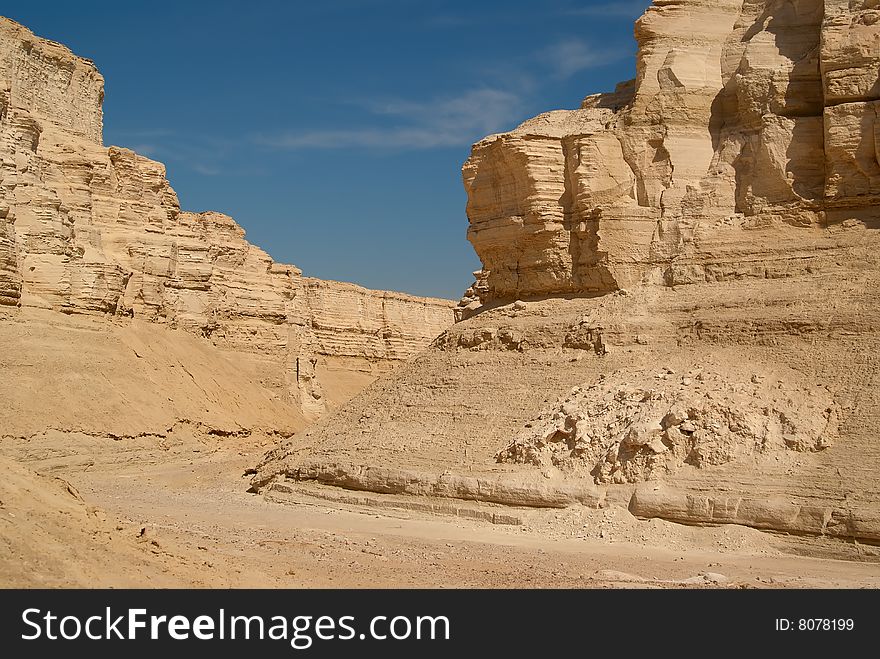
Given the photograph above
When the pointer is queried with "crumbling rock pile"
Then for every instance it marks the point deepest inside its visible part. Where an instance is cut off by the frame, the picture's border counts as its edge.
(619, 433)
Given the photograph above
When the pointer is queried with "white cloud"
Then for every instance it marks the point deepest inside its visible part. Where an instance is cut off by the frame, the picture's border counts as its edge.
(206, 170)
(566, 58)
(628, 8)
(450, 121)
(510, 88)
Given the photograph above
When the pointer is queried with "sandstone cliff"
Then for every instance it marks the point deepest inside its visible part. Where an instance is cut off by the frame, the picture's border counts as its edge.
(746, 139)
(677, 310)
(87, 229)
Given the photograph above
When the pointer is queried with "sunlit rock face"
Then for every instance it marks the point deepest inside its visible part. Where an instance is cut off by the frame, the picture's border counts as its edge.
(677, 310)
(87, 229)
(750, 131)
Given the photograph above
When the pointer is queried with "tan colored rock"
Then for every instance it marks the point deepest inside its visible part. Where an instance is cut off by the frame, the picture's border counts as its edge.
(851, 51)
(514, 491)
(852, 154)
(351, 321)
(746, 117)
(531, 190)
(10, 277)
(614, 432)
(95, 230)
(725, 205)
(774, 513)
(47, 82)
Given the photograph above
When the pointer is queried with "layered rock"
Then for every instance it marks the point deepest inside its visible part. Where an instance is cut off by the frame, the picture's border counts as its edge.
(850, 61)
(45, 81)
(748, 119)
(351, 321)
(697, 255)
(88, 229)
(10, 277)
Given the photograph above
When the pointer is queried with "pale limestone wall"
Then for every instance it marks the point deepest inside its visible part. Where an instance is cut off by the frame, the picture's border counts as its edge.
(748, 119)
(86, 229)
(351, 321)
(45, 80)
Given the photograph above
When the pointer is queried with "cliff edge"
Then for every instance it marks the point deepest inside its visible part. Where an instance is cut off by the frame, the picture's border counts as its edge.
(97, 233)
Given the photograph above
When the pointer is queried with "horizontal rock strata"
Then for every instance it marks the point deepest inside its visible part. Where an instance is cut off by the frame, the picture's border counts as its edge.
(510, 491)
(697, 252)
(87, 229)
(775, 514)
(749, 130)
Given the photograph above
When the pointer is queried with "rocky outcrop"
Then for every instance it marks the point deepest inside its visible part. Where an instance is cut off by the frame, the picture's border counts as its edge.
(86, 229)
(748, 133)
(774, 513)
(511, 491)
(45, 81)
(10, 277)
(678, 303)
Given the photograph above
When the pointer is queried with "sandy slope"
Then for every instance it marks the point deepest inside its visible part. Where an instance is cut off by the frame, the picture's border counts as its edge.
(50, 537)
(125, 379)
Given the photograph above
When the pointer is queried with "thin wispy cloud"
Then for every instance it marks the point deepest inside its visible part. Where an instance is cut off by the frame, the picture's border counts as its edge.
(560, 61)
(623, 8)
(203, 154)
(507, 95)
(444, 122)
(206, 170)
(569, 57)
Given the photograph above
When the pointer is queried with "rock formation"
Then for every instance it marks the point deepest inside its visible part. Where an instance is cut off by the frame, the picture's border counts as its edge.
(87, 229)
(747, 135)
(677, 310)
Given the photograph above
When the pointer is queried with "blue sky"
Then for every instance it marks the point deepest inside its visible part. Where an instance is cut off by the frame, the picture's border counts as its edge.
(335, 131)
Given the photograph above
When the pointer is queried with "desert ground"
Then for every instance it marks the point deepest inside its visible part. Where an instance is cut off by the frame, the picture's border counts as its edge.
(178, 514)
(181, 517)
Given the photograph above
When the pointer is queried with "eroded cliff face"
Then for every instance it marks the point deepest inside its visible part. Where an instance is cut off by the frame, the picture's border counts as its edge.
(86, 229)
(749, 133)
(678, 307)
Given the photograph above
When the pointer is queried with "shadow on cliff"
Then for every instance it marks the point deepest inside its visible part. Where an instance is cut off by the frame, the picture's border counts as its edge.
(801, 103)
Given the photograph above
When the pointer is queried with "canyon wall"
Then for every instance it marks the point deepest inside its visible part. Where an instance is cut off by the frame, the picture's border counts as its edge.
(677, 311)
(750, 130)
(87, 229)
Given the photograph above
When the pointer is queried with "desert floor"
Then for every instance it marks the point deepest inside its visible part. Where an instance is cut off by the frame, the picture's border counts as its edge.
(179, 514)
